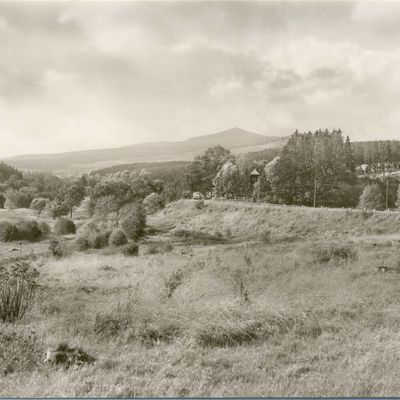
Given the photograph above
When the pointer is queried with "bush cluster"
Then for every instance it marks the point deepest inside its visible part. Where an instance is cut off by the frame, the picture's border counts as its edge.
(23, 230)
(131, 249)
(64, 226)
(91, 237)
(117, 238)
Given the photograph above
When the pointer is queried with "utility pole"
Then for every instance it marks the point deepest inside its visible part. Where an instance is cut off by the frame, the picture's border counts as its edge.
(315, 192)
(387, 193)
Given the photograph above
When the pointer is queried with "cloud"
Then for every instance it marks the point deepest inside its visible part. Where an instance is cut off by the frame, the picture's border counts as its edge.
(225, 88)
(84, 75)
(383, 15)
(3, 22)
(53, 77)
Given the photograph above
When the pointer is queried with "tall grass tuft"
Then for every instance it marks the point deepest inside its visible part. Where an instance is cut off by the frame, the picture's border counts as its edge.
(265, 236)
(235, 327)
(173, 281)
(20, 349)
(18, 285)
(335, 252)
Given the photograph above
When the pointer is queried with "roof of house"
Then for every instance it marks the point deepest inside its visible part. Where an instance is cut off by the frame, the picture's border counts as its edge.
(254, 172)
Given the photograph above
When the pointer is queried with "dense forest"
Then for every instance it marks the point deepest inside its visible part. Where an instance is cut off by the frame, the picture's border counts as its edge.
(379, 155)
(6, 172)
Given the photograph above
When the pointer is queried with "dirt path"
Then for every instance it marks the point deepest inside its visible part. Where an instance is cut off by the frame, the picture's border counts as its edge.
(16, 250)
(394, 238)
(11, 250)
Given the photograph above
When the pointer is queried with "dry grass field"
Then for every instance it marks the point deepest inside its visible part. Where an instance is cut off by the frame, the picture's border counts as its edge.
(245, 301)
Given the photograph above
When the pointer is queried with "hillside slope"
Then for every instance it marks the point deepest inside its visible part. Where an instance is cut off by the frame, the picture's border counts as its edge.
(235, 139)
(250, 221)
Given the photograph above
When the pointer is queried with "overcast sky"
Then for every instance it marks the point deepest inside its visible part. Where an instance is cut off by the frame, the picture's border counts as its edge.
(92, 75)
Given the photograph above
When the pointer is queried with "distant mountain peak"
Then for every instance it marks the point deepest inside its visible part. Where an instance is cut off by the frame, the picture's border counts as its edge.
(233, 139)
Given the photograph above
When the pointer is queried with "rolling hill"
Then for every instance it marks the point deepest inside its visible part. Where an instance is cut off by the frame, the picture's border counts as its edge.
(236, 139)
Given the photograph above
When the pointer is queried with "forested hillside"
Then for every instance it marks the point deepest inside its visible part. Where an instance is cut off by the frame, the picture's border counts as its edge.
(377, 153)
(6, 172)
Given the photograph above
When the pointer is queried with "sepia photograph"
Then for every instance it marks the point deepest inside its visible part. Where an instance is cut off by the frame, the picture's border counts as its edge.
(199, 199)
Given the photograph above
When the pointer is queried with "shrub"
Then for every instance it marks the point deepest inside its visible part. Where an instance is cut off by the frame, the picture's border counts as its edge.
(265, 236)
(162, 331)
(90, 236)
(131, 249)
(133, 221)
(18, 285)
(88, 229)
(28, 230)
(153, 203)
(333, 251)
(147, 328)
(45, 229)
(173, 281)
(20, 349)
(109, 325)
(227, 336)
(196, 237)
(22, 230)
(8, 231)
(118, 238)
(82, 243)
(372, 198)
(366, 214)
(99, 240)
(57, 248)
(157, 248)
(64, 226)
(199, 204)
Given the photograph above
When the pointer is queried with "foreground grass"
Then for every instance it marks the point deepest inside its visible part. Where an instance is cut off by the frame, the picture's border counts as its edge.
(306, 318)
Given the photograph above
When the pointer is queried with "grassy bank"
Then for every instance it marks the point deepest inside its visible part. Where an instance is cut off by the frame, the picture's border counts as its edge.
(248, 221)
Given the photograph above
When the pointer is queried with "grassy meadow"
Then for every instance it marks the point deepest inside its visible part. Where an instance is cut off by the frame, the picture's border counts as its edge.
(227, 300)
